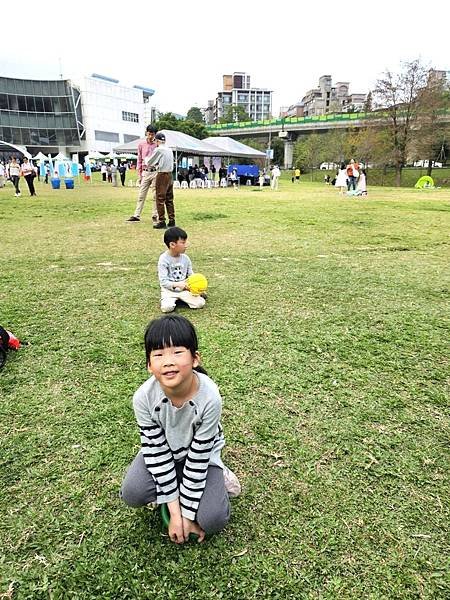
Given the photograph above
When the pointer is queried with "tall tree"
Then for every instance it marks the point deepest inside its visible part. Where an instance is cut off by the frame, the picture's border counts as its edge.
(195, 114)
(234, 113)
(369, 145)
(338, 145)
(368, 103)
(309, 152)
(169, 121)
(431, 132)
(397, 94)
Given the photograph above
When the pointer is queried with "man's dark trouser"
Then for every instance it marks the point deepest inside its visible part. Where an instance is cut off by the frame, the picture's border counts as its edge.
(164, 196)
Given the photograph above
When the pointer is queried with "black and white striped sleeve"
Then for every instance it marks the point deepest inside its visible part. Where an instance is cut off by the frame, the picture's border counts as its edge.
(196, 466)
(159, 461)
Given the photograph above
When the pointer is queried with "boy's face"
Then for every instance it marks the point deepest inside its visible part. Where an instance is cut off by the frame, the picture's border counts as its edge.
(178, 247)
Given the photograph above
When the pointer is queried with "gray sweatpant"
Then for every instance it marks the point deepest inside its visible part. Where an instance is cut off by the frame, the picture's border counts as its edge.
(139, 489)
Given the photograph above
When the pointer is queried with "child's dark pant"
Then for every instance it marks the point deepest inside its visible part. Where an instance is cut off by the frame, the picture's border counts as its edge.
(139, 489)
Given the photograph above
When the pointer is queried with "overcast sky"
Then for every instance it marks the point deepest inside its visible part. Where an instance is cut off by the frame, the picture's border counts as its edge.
(182, 49)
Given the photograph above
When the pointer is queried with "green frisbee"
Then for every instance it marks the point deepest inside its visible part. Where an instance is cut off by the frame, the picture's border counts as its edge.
(165, 517)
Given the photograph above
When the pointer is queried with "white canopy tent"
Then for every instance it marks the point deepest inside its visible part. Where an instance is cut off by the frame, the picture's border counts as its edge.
(40, 156)
(61, 157)
(94, 155)
(229, 147)
(178, 141)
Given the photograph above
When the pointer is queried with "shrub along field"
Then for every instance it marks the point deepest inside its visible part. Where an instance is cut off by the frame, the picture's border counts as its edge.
(326, 328)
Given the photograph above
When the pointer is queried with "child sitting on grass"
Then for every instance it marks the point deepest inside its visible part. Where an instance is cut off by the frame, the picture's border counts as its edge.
(174, 267)
(178, 413)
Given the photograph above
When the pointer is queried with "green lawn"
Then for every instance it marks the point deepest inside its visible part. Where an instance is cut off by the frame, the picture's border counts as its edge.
(327, 330)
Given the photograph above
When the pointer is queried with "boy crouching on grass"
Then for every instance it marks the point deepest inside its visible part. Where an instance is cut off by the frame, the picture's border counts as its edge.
(174, 267)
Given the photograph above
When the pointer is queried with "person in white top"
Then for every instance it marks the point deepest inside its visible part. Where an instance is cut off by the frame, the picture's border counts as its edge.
(2, 175)
(29, 172)
(14, 174)
(275, 177)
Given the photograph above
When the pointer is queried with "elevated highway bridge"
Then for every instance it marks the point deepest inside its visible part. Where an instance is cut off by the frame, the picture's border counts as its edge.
(291, 128)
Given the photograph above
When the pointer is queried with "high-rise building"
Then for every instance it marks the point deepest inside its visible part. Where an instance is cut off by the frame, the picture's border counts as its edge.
(257, 102)
(327, 98)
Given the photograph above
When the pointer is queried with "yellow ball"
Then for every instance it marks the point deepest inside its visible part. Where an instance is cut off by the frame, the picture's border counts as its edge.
(197, 283)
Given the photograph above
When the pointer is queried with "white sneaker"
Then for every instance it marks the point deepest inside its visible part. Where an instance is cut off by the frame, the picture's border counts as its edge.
(19, 194)
(232, 484)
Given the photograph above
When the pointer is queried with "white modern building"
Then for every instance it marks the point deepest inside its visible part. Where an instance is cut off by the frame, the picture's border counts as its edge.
(95, 113)
(113, 113)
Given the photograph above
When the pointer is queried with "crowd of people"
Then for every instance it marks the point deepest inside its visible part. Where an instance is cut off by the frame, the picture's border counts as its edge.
(13, 170)
(351, 179)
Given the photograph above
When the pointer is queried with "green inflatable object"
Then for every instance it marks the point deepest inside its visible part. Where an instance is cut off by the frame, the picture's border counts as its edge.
(424, 182)
(165, 517)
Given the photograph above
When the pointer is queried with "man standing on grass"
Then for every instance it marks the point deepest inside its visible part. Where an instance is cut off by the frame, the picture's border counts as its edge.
(146, 175)
(162, 160)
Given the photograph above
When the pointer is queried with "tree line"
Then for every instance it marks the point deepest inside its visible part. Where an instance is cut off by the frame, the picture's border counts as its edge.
(406, 126)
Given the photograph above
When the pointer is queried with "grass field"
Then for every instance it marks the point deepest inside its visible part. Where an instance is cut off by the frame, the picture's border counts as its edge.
(327, 330)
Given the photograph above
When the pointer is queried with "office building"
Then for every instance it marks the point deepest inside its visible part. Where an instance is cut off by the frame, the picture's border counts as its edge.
(237, 91)
(51, 116)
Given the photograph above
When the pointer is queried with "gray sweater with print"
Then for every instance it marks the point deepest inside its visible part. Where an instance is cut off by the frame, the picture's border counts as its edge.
(173, 269)
(168, 434)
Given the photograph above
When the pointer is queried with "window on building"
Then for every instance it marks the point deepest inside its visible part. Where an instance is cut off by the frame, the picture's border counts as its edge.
(7, 135)
(31, 105)
(13, 105)
(106, 136)
(48, 107)
(129, 138)
(3, 102)
(130, 116)
(21, 103)
(25, 136)
(39, 104)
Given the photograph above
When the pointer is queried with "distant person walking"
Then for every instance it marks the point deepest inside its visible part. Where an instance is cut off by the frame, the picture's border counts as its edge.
(14, 174)
(114, 175)
(29, 172)
(275, 177)
(146, 174)
(103, 171)
(122, 173)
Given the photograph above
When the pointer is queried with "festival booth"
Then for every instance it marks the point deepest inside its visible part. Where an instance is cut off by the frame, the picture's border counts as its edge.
(186, 145)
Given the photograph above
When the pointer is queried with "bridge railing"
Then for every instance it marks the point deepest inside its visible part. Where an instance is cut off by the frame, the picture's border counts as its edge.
(281, 122)
(290, 121)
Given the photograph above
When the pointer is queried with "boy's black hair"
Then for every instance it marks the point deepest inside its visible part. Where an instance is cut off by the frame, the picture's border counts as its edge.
(171, 330)
(173, 234)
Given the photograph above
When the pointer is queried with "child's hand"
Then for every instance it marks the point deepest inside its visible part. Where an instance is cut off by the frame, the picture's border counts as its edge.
(176, 533)
(192, 527)
(180, 286)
